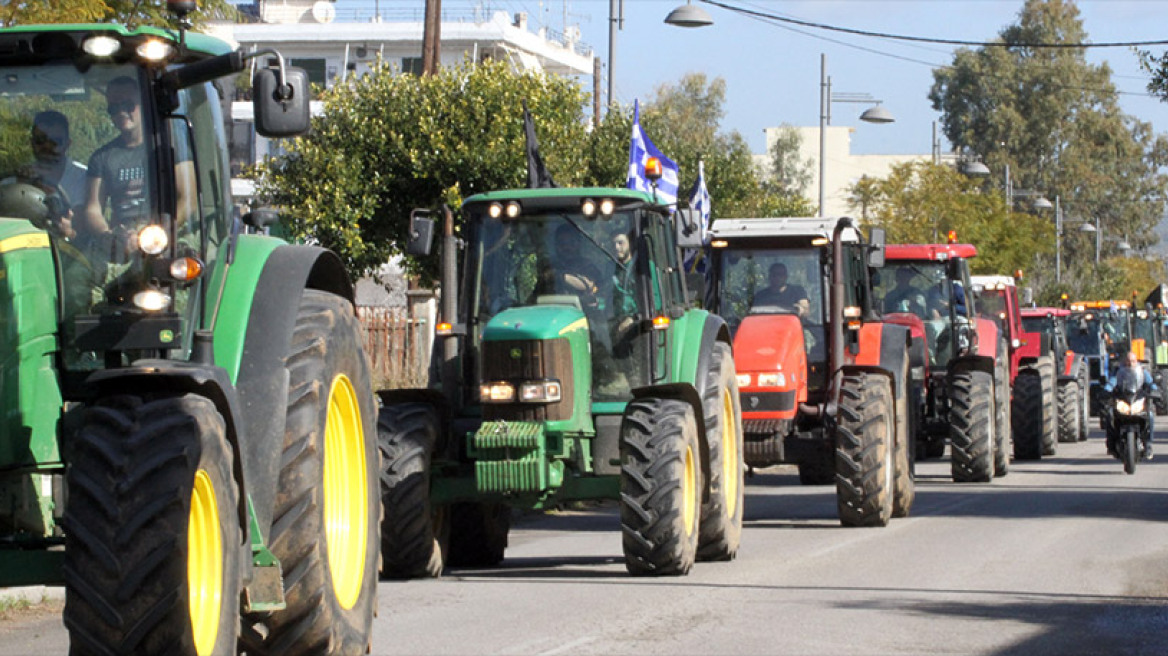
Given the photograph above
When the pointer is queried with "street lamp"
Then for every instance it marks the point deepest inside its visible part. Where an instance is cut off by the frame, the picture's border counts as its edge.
(877, 114)
(689, 15)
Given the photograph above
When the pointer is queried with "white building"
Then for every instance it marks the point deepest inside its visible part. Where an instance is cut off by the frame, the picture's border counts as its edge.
(843, 168)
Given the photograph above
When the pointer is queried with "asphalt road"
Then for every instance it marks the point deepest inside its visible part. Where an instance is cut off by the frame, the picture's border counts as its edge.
(1064, 556)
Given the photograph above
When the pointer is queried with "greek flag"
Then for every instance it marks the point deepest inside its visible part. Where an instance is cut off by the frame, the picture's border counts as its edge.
(640, 150)
(699, 199)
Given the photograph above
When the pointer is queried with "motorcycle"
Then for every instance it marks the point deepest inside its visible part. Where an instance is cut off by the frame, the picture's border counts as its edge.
(1129, 418)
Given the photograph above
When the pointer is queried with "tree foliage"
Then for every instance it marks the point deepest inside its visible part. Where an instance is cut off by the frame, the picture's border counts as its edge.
(920, 202)
(789, 175)
(1054, 120)
(127, 12)
(683, 120)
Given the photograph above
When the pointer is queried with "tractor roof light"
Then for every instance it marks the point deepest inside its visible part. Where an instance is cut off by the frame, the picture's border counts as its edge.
(607, 206)
(101, 46)
(952, 236)
(653, 169)
(719, 243)
(820, 241)
(512, 210)
(154, 50)
(588, 207)
(495, 210)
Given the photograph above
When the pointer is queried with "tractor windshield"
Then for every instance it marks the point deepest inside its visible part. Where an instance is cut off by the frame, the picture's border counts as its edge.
(923, 288)
(1085, 335)
(79, 159)
(775, 281)
(1037, 325)
(566, 257)
(991, 304)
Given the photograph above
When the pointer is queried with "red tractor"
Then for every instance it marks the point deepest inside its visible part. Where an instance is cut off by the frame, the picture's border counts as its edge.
(1033, 370)
(960, 372)
(1049, 325)
(823, 382)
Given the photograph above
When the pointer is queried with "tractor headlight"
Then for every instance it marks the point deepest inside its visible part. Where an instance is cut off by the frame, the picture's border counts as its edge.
(154, 50)
(496, 392)
(540, 391)
(775, 379)
(153, 239)
(744, 380)
(151, 300)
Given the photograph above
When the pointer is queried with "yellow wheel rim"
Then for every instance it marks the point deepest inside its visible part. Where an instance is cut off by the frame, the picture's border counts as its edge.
(729, 453)
(689, 487)
(204, 564)
(345, 492)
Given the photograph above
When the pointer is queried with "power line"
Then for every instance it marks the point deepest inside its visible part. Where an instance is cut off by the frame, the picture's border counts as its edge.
(922, 39)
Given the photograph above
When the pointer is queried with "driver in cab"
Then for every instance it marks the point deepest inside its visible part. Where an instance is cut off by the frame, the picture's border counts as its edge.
(780, 293)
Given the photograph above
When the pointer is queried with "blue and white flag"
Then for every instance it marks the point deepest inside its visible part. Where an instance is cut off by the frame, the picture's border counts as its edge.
(640, 150)
(699, 199)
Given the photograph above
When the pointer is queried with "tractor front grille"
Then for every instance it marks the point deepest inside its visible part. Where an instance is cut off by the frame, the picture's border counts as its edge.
(516, 361)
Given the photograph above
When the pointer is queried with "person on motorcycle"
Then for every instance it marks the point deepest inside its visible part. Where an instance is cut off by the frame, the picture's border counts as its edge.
(1131, 364)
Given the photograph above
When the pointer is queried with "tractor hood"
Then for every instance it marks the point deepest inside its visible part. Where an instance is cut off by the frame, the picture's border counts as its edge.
(545, 321)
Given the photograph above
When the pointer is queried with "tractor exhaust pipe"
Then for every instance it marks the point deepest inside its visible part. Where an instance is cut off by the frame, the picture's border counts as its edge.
(450, 379)
(836, 339)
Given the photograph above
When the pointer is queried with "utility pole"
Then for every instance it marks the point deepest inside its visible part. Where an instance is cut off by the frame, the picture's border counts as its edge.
(431, 37)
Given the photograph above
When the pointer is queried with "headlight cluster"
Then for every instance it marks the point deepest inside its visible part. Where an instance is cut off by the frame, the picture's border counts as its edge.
(763, 379)
(104, 46)
(531, 391)
(605, 205)
(510, 210)
(1134, 408)
(153, 240)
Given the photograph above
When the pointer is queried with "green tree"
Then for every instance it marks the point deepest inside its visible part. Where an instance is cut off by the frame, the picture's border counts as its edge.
(1054, 120)
(920, 202)
(388, 143)
(28, 12)
(683, 120)
(789, 175)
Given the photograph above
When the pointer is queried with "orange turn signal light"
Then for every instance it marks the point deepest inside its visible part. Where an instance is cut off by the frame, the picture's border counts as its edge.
(186, 269)
(653, 168)
(952, 236)
(444, 328)
(660, 323)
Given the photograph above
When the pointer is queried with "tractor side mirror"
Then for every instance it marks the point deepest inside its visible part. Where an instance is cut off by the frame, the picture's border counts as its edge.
(421, 233)
(1028, 296)
(688, 227)
(876, 246)
(261, 218)
(281, 110)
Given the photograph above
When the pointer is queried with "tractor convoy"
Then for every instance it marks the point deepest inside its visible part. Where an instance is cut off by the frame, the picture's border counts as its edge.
(191, 444)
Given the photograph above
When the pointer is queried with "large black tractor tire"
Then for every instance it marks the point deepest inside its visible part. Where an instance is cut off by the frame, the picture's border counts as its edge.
(1084, 402)
(864, 445)
(1003, 422)
(1068, 411)
(661, 487)
(721, 522)
(1027, 415)
(971, 426)
(1045, 368)
(817, 469)
(153, 543)
(478, 534)
(325, 526)
(414, 534)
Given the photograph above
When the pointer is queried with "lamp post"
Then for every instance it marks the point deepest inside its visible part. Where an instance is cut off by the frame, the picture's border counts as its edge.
(875, 114)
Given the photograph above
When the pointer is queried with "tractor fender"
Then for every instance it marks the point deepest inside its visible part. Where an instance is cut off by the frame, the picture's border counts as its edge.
(714, 330)
(987, 338)
(972, 363)
(1070, 366)
(884, 347)
(689, 394)
(262, 379)
(148, 376)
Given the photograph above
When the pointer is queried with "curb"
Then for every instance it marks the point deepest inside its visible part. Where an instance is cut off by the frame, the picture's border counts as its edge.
(34, 594)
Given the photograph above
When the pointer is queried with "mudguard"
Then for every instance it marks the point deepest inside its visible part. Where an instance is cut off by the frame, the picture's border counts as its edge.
(260, 302)
(1072, 364)
(884, 348)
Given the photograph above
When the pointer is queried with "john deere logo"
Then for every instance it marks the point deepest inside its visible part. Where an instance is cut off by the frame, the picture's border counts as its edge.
(516, 354)
(166, 336)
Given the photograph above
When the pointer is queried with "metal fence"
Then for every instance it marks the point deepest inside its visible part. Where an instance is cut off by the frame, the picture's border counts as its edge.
(398, 346)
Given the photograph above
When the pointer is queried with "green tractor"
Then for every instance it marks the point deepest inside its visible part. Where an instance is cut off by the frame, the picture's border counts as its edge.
(188, 442)
(569, 366)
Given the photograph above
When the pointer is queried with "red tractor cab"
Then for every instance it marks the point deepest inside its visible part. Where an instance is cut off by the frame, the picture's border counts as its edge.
(823, 381)
(960, 377)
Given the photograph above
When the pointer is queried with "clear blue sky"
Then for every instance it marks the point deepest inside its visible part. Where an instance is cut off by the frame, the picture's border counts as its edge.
(772, 72)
